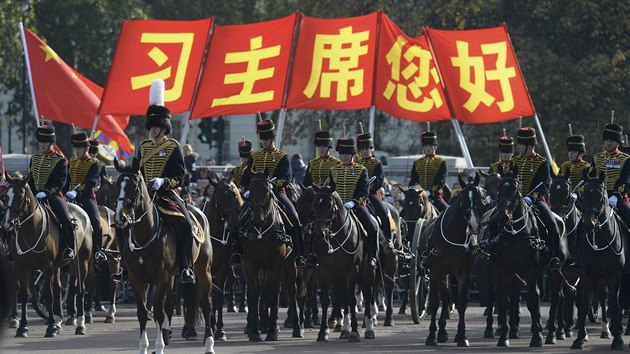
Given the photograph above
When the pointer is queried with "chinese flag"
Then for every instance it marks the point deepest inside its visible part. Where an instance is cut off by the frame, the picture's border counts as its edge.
(64, 95)
(147, 50)
(246, 68)
(483, 80)
(334, 63)
(407, 81)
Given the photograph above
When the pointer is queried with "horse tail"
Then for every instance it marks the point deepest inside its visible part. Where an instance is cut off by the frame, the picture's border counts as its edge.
(192, 310)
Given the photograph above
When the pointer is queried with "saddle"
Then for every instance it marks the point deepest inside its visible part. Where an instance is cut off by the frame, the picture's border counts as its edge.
(54, 219)
(170, 213)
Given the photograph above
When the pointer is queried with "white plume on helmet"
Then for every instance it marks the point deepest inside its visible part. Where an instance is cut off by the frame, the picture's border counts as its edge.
(156, 93)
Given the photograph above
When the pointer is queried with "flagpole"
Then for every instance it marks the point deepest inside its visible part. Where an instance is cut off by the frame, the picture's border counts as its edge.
(542, 137)
(30, 75)
(185, 129)
(462, 142)
(94, 125)
(283, 108)
(372, 120)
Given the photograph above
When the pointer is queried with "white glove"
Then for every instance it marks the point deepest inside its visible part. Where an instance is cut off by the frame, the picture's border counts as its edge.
(428, 192)
(246, 194)
(612, 201)
(71, 195)
(349, 204)
(574, 196)
(40, 195)
(527, 200)
(488, 199)
(156, 183)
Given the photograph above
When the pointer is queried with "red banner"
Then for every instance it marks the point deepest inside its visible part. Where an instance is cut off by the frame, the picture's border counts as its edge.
(407, 81)
(334, 63)
(481, 74)
(147, 50)
(246, 69)
(64, 95)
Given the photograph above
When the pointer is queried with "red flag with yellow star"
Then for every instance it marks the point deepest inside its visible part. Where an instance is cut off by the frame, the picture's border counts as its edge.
(63, 95)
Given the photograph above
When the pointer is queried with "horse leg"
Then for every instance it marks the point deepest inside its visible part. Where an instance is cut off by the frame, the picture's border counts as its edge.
(569, 312)
(614, 282)
(533, 305)
(141, 311)
(54, 327)
(389, 288)
(292, 283)
(159, 298)
(583, 306)
(434, 302)
(368, 294)
(272, 291)
(514, 305)
(71, 298)
(560, 315)
(601, 297)
(489, 332)
(22, 330)
(554, 287)
(313, 300)
(350, 300)
(252, 304)
(462, 303)
(220, 276)
(113, 290)
(322, 336)
(442, 336)
(502, 281)
(206, 308)
(82, 268)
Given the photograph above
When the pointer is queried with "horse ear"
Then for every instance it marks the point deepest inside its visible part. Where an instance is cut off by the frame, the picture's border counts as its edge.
(135, 164)
(230, 178)
(7, 177)
(213, 179)
(24, 181)
(460, 180)
(485, 175)
(118, 165)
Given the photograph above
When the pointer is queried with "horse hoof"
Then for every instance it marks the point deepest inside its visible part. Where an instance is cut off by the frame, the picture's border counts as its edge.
(14, 323)
(515, 335)
(369, 334)
(354, 337)
(99, 308)
(389, 322)
(271, 337)
(568, 333)
(442, 336)
(190, 335)
(288, 323)
(337, 328)
(617, 344)
(231, 308)
(110, 319)
(463, 343)
(403, 310)
(316, 321)
(488, 333)
(297, 333)
(536, 342)
(255, 337)
(89, 319)
(242, 309)
(503, 343)
(561, 336)
(246, 330)
(431, 341)
(577, 344)
(551, 339)
(605, 335)
(308, 323)
(71, 321)
(80, 331)
(52, 331)
(322, 336)
(21, 332)
(344, 334)
(220, 335)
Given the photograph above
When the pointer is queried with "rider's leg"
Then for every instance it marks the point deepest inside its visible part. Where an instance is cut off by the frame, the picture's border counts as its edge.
(184, 253)
(439, 202)
(372, 230)
(553, 238)
(381, 211)
(623, 209)
(90, 207)
(296, 234)
(60, 208)
(122, 271)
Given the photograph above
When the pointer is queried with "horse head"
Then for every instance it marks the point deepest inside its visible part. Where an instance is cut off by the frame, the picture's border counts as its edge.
(560, 201)
(492, 184)
(594, 203)
(470, 202)
(304, 204)
(325, 208)
(260, 198)
(132, 192)
(416, 203)
(227, 200)
(106, 193)
(509, 199)
(19, 200)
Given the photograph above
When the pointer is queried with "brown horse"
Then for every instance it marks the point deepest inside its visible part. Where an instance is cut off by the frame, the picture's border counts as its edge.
(34, 245)
(149, 252)
(266, 257)
(222, 210)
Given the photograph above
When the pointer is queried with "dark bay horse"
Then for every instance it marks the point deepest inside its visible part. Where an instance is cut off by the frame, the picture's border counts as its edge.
(603, 255)
(149, 252)
(266, 258)
(222, 211)
(34, 243)
(338, 243)
(451, 241)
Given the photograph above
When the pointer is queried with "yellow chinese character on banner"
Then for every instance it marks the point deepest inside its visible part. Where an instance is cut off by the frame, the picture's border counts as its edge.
(252, 74)
(160, 58)
(477, 88)
(422, 71)
(342, 51)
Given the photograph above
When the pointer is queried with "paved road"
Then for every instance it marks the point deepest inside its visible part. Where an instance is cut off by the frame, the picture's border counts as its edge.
(404, 337)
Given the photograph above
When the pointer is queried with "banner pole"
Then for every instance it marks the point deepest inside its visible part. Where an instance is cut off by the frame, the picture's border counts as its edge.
(287, 82)
(30, 74)
(280, 130)
(372, 119)
(185, 129)
(94, 125)
(542, 137)
(462, 142)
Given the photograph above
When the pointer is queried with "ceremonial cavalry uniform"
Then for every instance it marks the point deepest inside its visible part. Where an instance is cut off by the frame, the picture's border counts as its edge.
(574, 169)
(376, 177)
(48, 174)
(84, 172)
(276, 164)
(94, 153)
(506, 150)
(616, 170)
(534, 174)
(318, 168)
(429, 172)
(162, 166)
(244, 151)
(351, 183)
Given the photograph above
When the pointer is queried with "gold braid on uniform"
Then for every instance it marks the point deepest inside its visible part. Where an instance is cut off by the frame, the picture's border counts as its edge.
(500, 167)
(264, 159)
(319, 169)
(154, 167)
(346, 178)
(426, 168)
(78, 169)
(611, 165)
(238, 175)
(42, 166)
(575, 171)
(526, 168)
(370, 164)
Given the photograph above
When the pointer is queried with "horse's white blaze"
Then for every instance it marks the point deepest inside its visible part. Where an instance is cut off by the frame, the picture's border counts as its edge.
(369, 324)
(7, 217)
(121, 200)
(159, 341)
(144, 342)
(474, 223)
(346, 322)
(209, 345)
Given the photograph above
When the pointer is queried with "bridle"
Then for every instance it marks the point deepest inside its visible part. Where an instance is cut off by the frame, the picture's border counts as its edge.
(137, 201)
(326, 225)
(511, 204)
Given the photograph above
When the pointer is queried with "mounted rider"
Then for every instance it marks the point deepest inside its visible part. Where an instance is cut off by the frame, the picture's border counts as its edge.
(48, 174)
(84, 172)
(244, 152)
(276, 164)
(576, 165)
(612, 163)
(350, 180)
(318, 172)
(376, 177)
(534, 173)
(162, 166)
(506, 152)
(429, 171)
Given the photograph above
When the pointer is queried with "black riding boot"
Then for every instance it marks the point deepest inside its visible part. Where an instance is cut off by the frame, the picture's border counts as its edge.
(372, 251)
(311, 259)
(296, 237)
(187, 276)
(67, 244)
(97, 239)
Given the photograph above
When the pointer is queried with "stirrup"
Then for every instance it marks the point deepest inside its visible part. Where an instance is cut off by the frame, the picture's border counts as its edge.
(187, 276)
(100, 257)
(120, 276)
(236, 259)
(300, 262)
(68, 255)
(311, 261)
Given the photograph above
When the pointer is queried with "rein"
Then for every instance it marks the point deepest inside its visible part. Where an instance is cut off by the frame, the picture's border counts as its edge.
(20, 252)
(598, 227)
